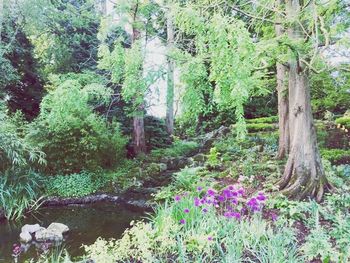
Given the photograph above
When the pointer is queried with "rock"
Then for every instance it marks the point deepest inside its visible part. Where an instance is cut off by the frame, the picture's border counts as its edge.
(30, 228)
(163, 167)
(199, 157)
(58, 227)
(48, 235)
(208, 139)
(25, 237)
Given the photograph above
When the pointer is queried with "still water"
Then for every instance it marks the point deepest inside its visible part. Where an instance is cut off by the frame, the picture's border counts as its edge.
(86, 224)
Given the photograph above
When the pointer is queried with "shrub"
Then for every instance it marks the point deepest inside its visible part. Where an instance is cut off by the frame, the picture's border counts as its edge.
(19, 192)
(155, 133)
(345, 121)
(259, 127)
(74, 185)
(336, 156)
(71, 134)
(178, 148)
(14, 150)
(271, 119)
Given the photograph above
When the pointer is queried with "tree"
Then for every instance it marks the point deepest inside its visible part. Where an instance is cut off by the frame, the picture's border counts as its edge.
(170, 77)
(126, 61)
(282, 94)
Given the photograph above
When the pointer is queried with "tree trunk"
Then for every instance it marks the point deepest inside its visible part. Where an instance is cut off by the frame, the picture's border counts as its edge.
(170, 79)
(282, 94)
(1, 17)
(139, 132)
(139, 140)
(304, 174)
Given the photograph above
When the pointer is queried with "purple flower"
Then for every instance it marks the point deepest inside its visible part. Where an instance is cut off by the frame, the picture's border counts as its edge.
(197, 201)
(274, 217)
(252, 202)
(231, 187)
(221, 198)
(210, 238)
(261, 197)
(182, 221)
(236, 215)
(199, 188)
(227, 215)
(211, 192)
(186, 210)
(204, 210)
(234, 201)
(241, 191)
(177, 198)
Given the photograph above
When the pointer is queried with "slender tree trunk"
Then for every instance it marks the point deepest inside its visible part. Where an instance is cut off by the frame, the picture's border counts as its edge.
(304, 174)
(139, 140)
(282, 94)
(1, 17)
(170, 79)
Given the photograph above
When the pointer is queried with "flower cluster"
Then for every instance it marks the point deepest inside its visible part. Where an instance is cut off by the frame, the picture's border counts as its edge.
(16, 250)
(231, 202)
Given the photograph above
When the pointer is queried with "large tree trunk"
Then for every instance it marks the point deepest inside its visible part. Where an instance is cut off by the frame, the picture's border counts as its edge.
(304, 175)
(283, 111)
(282, 94)
(170, 79)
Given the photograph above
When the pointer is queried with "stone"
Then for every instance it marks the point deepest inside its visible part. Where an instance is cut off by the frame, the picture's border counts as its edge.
(30, 228)
(199, 157)
(48, 235)
(25, 237)
(163, 167)
(58, 227)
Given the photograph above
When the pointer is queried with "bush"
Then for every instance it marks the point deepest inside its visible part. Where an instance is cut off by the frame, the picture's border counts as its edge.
(19, 192)
(155, 133)
(259, 127)
(271, 119)
(74, 185)
(336, 156)
(344, 121)
(178, 148)
(14, 150)
(72, 135)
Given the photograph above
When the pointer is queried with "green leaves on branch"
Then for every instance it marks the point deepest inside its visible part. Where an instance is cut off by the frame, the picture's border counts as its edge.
(224, 58)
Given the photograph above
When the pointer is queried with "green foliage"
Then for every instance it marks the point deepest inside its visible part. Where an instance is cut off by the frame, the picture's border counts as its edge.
(345, 121)
(206, 237)
(329, 92)
(213, 160)
(15, 151)
(271, 119)
(178, 148)
(336, 156)
(222, 64)
(156, 133)
(74, 185)
(71, 134)
(259, 127)
(64, 34)
(19, 192)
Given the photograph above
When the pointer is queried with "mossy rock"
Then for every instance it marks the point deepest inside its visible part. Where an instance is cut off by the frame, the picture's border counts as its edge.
(343, 121)
(271, 119)
(336, 156)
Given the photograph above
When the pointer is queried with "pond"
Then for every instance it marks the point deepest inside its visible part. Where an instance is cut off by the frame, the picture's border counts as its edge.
(86, 224)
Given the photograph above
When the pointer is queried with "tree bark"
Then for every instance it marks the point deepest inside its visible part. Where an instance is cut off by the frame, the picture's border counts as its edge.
(304, 174)
(170, 79)
(1, 17)
(282, 95)
(139, 140)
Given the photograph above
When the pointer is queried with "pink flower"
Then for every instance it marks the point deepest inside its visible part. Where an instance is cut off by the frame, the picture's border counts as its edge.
(177, 198)
(186, 210)
(211, 192)
(210, 238)
(182, 221)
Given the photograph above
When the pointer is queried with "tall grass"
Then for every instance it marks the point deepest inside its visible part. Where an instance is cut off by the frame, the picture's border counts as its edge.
(19, 193)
